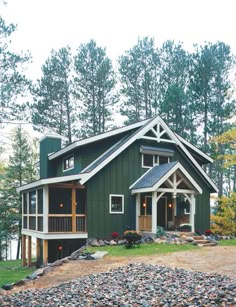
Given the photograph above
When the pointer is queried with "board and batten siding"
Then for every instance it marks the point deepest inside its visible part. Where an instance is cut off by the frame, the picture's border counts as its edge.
(114, 178)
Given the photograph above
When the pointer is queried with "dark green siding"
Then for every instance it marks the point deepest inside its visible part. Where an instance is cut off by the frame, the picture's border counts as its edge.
(115, 178)
(47, 146)
(83, 156)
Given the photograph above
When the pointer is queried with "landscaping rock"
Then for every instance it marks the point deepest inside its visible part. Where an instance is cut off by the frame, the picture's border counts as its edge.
(134, 285)
(7, 287)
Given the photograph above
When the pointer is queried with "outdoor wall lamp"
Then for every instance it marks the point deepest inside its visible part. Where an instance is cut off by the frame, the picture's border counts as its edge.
(61, 205)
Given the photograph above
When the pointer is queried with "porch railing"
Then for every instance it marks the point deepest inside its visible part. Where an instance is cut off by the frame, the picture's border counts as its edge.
(65, 223)
(145, 222)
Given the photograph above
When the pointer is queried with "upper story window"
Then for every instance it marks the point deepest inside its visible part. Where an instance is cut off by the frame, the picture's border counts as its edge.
(68, 163)
(155, 155)
(151, 160)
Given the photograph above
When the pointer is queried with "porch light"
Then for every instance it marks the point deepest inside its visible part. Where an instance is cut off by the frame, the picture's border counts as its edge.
(145, 208)
(170, 205)
(61, 205)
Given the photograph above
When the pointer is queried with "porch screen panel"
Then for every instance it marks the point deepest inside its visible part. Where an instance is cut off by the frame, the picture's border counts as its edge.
(80, 200)
(60, 201)
(40, 201)
(32, 202)
(24, 203)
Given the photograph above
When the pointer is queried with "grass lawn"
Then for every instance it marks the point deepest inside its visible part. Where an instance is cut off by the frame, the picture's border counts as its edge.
(143, 250)
(12, 271)
(231, 242)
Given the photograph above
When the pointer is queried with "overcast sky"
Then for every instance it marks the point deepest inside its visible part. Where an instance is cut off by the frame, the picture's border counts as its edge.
(116, 24)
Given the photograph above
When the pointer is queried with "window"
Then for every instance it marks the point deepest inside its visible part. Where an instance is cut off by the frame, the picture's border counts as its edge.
(116, 204)
(150, 160)
(68, 163)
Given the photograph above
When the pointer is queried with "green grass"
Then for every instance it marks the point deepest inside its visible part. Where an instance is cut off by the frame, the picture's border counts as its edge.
(231, 242)
(12, 271)
(143, 250)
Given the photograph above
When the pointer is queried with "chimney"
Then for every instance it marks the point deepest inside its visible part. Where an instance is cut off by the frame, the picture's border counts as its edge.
(48, 144)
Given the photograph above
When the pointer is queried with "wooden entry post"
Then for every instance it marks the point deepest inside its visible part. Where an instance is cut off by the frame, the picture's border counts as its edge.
(23, 244)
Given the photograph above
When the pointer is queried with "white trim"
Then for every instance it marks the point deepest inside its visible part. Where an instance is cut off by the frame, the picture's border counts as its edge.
(96, 138)
(56, 236)
(122, 203)
(136, 136)
(139, 134)
(41, 182)
(201, 153)
(176, 167)
(52, 136)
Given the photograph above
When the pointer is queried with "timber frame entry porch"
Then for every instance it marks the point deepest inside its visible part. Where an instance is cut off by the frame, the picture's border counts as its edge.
(159, 182)
(52, 212)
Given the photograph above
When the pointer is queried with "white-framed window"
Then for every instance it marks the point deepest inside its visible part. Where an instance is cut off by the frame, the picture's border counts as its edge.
(116, 205)
(149, 160)
(68, 163)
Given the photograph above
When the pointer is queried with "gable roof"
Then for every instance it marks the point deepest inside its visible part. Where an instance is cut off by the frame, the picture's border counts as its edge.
(96, 138)
(161, 130)
(158, 174)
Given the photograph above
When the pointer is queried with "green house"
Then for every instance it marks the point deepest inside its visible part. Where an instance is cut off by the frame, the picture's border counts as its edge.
(140, 176)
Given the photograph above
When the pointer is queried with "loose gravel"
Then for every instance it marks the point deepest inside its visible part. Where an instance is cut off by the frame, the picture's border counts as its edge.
(134, 285)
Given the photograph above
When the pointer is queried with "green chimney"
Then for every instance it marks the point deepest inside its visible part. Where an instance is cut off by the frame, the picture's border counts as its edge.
(48, 145)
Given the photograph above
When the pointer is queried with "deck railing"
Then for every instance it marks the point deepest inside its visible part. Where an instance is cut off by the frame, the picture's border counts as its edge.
(65, 223)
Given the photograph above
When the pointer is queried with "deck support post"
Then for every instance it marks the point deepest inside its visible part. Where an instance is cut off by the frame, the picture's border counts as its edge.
(45, 251)
(23, 246)
(29, 251)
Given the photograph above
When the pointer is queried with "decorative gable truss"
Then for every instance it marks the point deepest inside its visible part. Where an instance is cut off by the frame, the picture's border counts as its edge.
(154, 129)
(158, 133)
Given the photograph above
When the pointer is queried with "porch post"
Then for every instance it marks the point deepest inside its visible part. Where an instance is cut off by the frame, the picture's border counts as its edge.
(154, 212)
(73, 210)
(173, 207)
(137, 210)
(192, 211)
(45, 208)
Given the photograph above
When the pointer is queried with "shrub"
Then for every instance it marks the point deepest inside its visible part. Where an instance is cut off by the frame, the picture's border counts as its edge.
(224, 221)
(160, 232)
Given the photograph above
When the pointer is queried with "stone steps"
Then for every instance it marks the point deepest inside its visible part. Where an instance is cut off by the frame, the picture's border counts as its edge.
(201, 241)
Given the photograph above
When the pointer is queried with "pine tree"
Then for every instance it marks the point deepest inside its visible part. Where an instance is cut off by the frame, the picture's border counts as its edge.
(13, 82)
(174, 81)
(54, 106)
(20, 170)
(138, 70)
(95, 84)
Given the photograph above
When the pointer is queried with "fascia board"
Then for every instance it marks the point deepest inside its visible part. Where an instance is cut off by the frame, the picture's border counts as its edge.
(185, 150)
(201, 153)
(48, 181)
(95, 138)
(136, 136)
